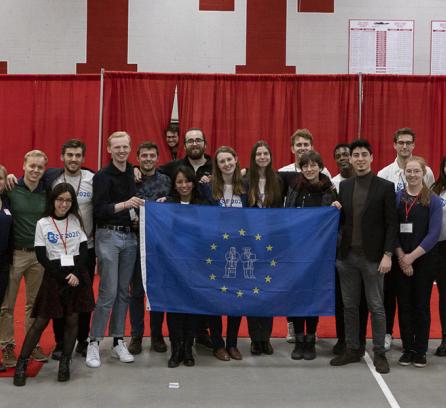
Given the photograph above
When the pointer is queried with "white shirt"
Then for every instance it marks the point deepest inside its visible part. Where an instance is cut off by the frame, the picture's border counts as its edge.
(336, 180)
(49, 236)
(393, 173)
(84, 198)
(293, 167)
(229, 199)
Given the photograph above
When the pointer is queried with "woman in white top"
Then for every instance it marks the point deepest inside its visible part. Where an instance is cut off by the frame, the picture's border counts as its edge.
(61, 247)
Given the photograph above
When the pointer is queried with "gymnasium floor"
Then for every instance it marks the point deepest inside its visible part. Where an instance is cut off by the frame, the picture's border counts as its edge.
(261, 381)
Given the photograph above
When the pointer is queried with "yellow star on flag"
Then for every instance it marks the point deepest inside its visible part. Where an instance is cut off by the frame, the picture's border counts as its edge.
(225, 235)
(224, 289)
(242, 232)
(273, 263)
(212, 276)
(258, 237)
(213, 247)
(256, 291)
(268, 279)
(269, 248)
(239, 293)
(208, 261)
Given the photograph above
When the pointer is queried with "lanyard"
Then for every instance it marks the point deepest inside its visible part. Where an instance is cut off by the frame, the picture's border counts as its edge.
(409, 208)
(64, 242)
(78, 186)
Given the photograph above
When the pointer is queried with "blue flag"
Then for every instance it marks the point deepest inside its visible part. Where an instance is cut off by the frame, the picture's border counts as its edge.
(239, 261)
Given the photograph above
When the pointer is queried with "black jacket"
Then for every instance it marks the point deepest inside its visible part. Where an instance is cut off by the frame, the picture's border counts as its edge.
(379, 225)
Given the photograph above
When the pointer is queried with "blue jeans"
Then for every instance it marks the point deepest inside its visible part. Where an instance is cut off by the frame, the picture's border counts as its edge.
(116, 252)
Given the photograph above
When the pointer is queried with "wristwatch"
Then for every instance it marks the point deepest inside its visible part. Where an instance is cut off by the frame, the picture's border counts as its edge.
(388, 253)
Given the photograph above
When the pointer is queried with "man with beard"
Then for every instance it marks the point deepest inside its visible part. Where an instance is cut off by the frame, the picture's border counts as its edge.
(153, 185)
(201, 163)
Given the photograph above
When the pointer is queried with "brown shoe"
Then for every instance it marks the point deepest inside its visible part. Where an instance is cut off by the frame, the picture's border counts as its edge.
(234, 353)
(9, 357)
(221, 354)
(158, 344)
(135, 346)
(38, 355)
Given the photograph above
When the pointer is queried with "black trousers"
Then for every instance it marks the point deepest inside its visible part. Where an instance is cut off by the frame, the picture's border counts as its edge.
(390, 290)
(440, 277)
(414, 295)
(216, 328)
(4, 276)
(339, 316)
(182, 326)
(260, 328)
(310, 322)
(84, 318)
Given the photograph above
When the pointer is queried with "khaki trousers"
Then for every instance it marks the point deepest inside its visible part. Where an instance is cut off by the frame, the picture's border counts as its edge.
(25, 265)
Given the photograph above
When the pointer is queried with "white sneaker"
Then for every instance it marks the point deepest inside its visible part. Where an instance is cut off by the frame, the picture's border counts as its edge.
(120, 351)
(291, 336)
(387, 342)
(93, 359)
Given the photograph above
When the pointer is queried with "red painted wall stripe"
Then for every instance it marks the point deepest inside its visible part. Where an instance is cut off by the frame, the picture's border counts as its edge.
(3, 67)
(266, 38)
(107, 37)
(216, 5)
(315, 6)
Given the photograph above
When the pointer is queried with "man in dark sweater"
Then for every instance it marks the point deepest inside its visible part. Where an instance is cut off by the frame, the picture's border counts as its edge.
(114, 204)
(368, 232)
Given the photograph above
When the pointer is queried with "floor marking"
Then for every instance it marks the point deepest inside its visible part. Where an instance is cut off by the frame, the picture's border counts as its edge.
(382, 384)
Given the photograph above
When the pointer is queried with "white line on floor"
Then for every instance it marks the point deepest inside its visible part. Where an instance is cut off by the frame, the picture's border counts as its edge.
(382, 384)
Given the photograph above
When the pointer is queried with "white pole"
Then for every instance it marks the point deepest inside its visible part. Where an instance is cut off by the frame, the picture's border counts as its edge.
(101, 110)
(360, 105)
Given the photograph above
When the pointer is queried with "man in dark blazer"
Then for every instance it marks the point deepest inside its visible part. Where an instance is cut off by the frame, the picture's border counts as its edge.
(368, 232)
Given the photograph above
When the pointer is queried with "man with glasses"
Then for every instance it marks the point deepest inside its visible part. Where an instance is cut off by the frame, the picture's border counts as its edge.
(403, 143)
(172, 139)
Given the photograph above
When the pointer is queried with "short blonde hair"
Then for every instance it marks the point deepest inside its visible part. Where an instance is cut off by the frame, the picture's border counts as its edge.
(35, 153)
(119, 133)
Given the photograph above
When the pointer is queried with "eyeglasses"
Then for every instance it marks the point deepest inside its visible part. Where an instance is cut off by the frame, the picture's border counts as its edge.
(62, 200)
(194, 141)
(403, 143)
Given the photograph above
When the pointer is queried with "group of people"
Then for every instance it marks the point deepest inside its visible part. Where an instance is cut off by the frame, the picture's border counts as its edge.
(57, 223)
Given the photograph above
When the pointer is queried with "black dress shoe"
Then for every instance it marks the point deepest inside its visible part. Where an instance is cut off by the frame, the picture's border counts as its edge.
(158, 344)
(267, 348)
(205, 341)
(256, 348)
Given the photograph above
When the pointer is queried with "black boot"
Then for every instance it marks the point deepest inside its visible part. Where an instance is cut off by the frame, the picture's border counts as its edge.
(64, 368)
(298, 352)
(20, 372)
(188, 358)
(441, 350)
(177, 354)
(309, 347)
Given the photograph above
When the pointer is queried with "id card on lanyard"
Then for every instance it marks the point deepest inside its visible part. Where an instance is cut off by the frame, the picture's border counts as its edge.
(65, 259)
(407, 227)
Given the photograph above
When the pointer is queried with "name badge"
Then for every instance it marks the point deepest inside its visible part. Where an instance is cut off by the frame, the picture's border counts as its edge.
(66, 260)
(7, 212)
(406, 228)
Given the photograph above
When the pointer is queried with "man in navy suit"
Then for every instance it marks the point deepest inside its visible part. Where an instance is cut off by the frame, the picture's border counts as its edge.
(368, 232)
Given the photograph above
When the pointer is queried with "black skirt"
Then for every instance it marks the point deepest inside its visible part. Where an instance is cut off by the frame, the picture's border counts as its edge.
(55, 301)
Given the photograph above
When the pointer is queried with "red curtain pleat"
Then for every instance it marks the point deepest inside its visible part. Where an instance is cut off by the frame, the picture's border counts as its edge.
(393, 102)
(238, 110)
(42, 111)
(141, 104)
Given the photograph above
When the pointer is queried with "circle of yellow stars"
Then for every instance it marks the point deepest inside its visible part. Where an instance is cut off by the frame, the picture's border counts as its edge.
(242, 232)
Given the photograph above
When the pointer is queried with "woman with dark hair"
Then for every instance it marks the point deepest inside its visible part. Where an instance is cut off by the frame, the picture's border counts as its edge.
(183, 326)
(311, 188)
(61, 247)
(420, 217)
(5, 240)
(265, 191)
(227, 190)
(439, 188)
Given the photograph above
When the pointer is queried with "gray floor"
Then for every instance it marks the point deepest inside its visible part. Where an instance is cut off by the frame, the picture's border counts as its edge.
(261, 381)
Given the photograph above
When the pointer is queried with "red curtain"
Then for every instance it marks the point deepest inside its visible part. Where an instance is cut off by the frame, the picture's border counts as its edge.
(42, 111)
(393, 102)
(238, 110)
(141, 104)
